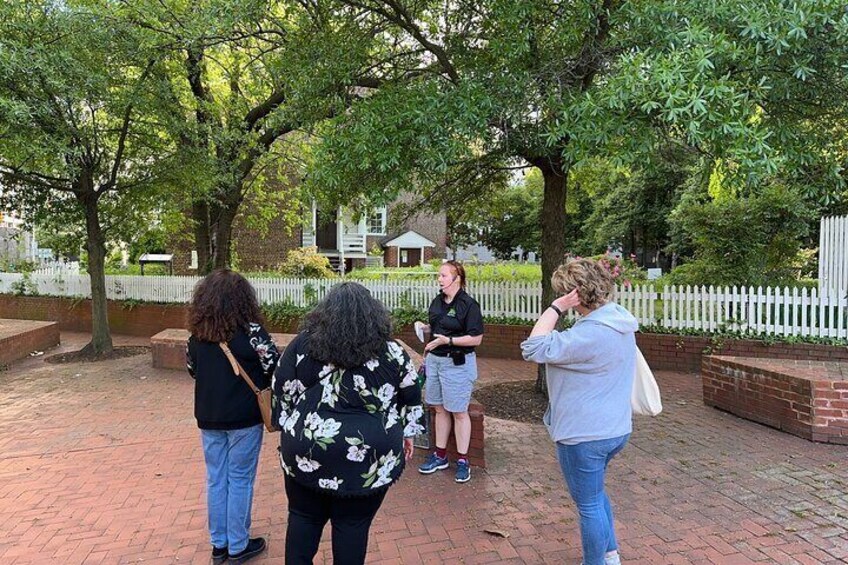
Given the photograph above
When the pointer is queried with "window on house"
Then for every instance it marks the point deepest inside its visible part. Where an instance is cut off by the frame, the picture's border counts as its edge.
(377, 222)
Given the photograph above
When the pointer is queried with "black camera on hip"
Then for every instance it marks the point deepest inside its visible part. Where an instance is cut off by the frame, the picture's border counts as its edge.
(458, 357)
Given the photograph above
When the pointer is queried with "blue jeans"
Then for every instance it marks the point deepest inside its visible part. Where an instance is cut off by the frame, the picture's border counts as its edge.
(584, 467)
(231, 460)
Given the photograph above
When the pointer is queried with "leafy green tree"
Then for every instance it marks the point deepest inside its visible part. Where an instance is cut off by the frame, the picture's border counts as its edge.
(513, 218)
(631, 205)
(505, 83)
(81, 136)
(250, 78)
(752, 240)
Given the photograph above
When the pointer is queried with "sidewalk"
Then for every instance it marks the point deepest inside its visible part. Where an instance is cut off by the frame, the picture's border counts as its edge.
(101, 463)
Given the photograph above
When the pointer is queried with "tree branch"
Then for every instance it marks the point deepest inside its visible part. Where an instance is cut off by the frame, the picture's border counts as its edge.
(401, 17)
(262, 110)
(125, 128)
(16, 175)
(591, 56)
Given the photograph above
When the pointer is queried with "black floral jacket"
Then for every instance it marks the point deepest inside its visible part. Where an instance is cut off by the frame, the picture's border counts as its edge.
(343, 429)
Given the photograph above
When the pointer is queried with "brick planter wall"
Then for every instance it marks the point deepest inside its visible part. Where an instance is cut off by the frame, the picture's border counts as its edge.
(805, 398)
(685, 352)
(75, 315)
(661, 351)
(19, 338)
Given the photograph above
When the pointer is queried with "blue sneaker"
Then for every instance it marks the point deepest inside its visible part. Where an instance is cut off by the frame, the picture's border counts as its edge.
(463, 471)
(432, 464)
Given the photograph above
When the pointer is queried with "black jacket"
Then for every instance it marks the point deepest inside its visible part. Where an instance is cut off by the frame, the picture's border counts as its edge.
(343, 429)
(222, 400)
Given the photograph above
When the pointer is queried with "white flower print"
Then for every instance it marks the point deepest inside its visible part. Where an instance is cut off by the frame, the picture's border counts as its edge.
(298, 359)
(372, 364)
(293, 387)
(307, 465)
(384, 472)
(328, 395)
(329, 428)
(261, 348)
(396, 351)
(381, 480)
(413, 429)
(413, 421)
(410, 376)
(388, 463)
(359, 382)
(288, 424)
(326, 370)
(330, 484)
(357, 452)
(386, 394)
(391, 417)
(313, 420)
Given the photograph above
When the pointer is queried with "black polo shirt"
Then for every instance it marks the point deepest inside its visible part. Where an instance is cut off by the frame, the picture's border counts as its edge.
(461, 317)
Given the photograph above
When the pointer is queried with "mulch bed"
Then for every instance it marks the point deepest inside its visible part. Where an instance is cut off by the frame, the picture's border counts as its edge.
(84, 356)
(516, 400)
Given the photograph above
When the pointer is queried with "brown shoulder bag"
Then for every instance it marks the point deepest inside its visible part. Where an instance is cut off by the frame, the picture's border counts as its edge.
(263, 396)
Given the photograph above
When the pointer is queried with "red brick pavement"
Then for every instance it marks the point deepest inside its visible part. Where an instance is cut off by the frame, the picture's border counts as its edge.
(101, 463)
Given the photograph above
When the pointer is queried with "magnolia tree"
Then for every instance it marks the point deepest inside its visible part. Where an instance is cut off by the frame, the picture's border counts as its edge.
(79, 138)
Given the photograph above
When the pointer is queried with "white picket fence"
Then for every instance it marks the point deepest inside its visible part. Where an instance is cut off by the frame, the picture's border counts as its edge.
(777, 311)
(58, 268)
(833, 255)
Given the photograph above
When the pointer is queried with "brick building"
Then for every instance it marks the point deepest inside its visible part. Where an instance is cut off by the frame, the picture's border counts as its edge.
(338, 234)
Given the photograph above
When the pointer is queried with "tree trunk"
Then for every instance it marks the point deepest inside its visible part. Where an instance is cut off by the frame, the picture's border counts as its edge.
(213, 234)
(101, 337)
(222, 236)
(554, 237)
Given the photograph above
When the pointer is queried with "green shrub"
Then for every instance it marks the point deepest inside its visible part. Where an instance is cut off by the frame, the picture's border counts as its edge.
(281, 314)
(306, 262)
(753, 240)
(135, 269)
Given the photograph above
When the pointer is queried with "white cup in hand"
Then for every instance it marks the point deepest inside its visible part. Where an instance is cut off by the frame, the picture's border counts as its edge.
(419, 330)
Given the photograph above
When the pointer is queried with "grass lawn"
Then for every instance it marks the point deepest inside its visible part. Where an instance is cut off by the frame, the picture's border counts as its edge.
(505, 271)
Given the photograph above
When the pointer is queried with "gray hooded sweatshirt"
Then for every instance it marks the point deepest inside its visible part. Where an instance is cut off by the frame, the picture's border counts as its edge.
(590, 371)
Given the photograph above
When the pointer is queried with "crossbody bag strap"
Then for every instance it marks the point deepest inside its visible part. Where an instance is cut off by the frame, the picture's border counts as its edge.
(237, 368)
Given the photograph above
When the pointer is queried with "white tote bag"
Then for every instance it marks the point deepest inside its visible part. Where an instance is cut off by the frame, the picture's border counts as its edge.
(645, 399)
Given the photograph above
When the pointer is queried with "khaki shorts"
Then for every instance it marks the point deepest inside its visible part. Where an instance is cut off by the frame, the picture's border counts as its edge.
(450, 385)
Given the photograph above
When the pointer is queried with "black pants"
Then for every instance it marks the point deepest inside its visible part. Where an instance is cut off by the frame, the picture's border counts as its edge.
(309, 511)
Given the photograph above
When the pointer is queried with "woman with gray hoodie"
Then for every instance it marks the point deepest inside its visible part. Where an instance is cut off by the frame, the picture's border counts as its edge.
(589, 373)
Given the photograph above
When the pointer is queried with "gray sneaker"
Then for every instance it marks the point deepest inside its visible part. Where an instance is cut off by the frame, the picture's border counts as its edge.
(463, 471)
(432, 464)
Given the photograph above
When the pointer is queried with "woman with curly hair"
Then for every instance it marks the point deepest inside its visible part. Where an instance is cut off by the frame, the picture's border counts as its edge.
(224, 309)
(348, 402)
(589, 371)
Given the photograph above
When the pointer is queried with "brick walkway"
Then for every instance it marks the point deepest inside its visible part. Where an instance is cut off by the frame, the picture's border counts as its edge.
(101, 463)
